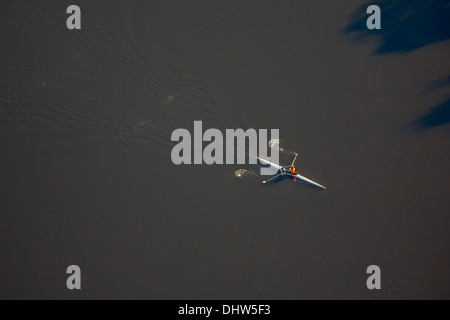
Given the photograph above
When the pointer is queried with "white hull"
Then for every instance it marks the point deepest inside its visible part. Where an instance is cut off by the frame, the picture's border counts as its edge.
(296, 176)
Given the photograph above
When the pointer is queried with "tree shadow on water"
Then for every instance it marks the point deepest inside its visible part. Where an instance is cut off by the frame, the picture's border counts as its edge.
(407, 25)
(443, 82)
(438, 115)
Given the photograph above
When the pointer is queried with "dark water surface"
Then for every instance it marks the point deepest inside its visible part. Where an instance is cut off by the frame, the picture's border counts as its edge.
(87, 179)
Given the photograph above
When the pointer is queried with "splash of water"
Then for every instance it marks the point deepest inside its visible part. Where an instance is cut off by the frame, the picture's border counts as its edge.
(242, 173)
(275, 144)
